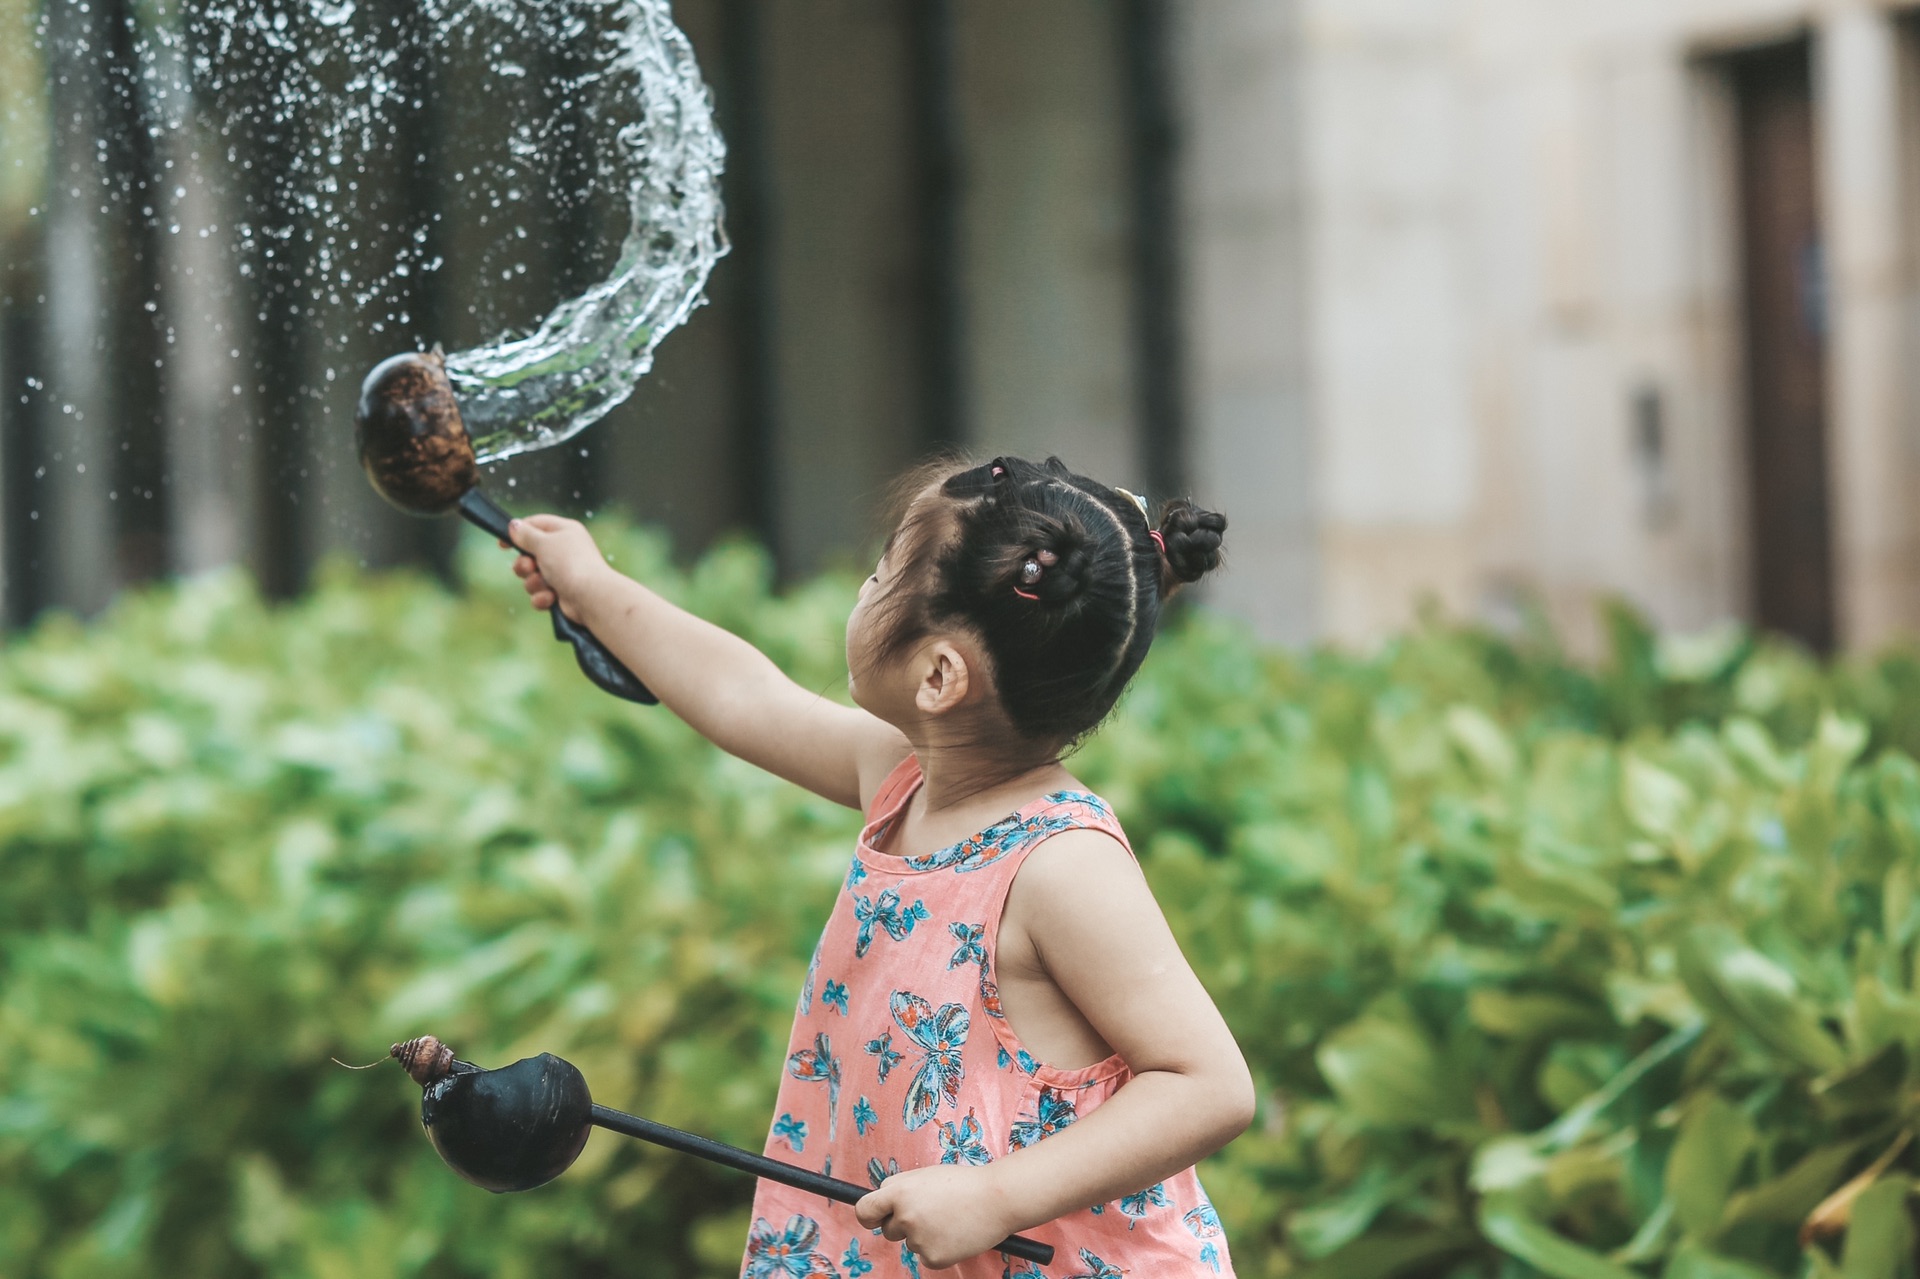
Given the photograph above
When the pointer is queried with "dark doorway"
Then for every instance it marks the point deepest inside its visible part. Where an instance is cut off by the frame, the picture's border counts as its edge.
(1784, 297)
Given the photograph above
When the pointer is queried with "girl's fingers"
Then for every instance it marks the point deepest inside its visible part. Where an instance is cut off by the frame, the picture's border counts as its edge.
(524, 565)
(873, 1209)
(543, 600)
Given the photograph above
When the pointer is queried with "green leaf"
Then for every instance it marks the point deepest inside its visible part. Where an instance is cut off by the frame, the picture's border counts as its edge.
(1748, 742)
(1506, 1163)
(1511, 1230)
(1333, 1223)
(1388, 1073)
(1650, 1240)
(1573, 1125)
(1692, 1262)
(1530, 1016)
(1481, 741)
(1836, 744)
(1655, 799)
(1789, 1197)
(1715, 1138)
(1379, 1256)
(1746, 988)
(1880, 1233)
(1874, 1085)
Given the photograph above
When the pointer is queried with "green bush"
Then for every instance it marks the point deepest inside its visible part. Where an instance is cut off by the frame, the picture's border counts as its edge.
(1589, 972)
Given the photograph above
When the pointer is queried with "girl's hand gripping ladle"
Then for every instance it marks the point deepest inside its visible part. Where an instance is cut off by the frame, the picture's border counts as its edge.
(523, 1125)
(416, 453)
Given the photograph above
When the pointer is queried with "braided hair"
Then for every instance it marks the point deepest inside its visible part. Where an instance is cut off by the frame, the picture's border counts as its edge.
(1061, 578)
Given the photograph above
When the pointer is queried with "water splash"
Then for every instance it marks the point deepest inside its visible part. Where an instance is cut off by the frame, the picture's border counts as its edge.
(523, 394)
(321, 122)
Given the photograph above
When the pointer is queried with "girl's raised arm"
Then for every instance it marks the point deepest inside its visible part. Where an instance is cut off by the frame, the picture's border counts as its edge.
(728, 690)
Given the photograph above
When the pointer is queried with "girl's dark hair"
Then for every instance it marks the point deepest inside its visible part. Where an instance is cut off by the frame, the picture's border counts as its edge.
(1061, 577)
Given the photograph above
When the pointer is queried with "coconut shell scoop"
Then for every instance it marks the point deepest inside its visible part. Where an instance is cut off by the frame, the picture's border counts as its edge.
(523, 1125)
(416, 453)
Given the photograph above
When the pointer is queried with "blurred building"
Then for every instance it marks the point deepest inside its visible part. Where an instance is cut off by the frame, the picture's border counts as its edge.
(1484, 303)
(1560, 300)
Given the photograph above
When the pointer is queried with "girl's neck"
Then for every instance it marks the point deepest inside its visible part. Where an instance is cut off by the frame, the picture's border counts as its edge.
(958, 775)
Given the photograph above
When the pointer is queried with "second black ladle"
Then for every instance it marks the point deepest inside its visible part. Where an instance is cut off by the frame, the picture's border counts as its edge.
(416, 453)
(523, 1125)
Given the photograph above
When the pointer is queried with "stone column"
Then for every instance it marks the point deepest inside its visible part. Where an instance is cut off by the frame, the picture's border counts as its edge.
(1388, 329)
(1252, 453)
(1046, 224)
(1876, 569)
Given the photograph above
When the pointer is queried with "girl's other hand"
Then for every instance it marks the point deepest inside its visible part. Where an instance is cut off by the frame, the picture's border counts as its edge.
(945, 1213)
(559, 563)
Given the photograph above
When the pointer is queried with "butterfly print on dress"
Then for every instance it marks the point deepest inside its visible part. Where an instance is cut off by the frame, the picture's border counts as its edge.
(961, 1142)
(813, 969)
(1096, 1268)
(887, 913)
(993, 843)
(884, 1050)
(990, 1000)
(1135, 1206)
(940, 1037)
(1082, 798)
(786, 1254)
(1204, 1222)
(818, 1065)
(794, 1131)
(971, 948)
(1053, 1111)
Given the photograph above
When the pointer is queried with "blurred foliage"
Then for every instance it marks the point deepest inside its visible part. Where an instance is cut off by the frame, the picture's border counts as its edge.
(1542, 968)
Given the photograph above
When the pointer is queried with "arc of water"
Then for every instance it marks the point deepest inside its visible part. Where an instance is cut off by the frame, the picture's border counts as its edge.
(531, 392)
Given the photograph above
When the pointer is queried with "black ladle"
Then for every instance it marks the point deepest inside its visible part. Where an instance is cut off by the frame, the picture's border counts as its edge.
(523, 1125)
(415, 450)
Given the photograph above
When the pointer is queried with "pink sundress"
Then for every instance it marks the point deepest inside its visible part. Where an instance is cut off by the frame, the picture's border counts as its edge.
(901, 1057)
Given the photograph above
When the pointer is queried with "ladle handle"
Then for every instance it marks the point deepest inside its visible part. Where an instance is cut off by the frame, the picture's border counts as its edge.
(596, 660)
(786, 1174)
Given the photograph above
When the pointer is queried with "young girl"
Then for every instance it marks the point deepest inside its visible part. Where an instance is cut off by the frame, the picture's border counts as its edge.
(998, 1029)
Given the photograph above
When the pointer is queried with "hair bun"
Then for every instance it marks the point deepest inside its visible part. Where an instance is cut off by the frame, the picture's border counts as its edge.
(1060, 548)
(1193, 538)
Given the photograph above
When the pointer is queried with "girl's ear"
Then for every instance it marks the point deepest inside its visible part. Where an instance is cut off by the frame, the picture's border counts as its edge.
(945, 680)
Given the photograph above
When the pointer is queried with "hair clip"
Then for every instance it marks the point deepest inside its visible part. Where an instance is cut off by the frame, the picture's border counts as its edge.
(1138, 501)
(1030, 572)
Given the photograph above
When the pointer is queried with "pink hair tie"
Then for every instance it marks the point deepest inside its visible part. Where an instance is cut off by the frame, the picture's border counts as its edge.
(1158, 541)
(1026, 595)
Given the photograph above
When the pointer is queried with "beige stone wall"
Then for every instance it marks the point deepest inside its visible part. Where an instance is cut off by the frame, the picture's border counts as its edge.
(1251, 444)
(1514, 231)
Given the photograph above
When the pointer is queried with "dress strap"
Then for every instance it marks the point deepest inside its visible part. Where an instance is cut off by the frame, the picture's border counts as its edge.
(1083, 810)
(904, 776)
